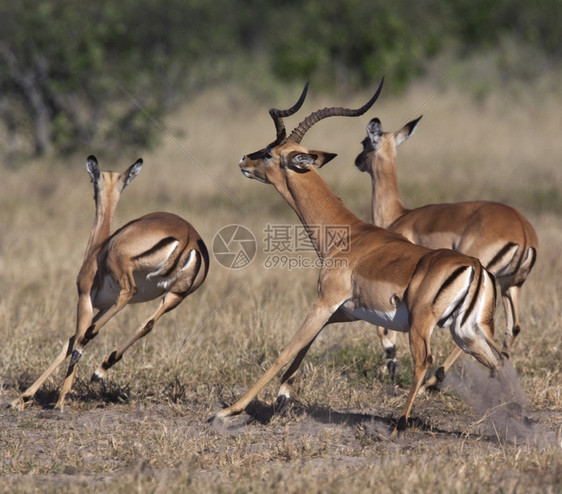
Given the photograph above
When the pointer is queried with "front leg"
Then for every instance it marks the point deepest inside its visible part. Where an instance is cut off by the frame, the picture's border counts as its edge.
(29, 393)
(312, 325)
(284, 393)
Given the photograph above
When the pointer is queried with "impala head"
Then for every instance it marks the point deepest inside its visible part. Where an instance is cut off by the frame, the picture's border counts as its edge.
(286, 153)
(382, 143)
(110, 182)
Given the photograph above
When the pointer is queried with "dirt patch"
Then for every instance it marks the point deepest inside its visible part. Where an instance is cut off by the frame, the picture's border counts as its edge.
(109, 446)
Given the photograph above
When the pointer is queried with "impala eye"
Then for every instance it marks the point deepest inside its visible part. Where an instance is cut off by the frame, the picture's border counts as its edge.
(267, 154)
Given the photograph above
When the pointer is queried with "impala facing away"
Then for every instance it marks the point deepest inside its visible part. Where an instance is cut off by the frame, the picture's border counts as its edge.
(159, 254)
(385, 279)
(499, 236)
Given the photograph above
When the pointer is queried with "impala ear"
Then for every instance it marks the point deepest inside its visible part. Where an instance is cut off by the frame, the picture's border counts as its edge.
(93, 168)
(406, 131)
(374, 131)
(132, 172)
(302, 161)
(323, 158)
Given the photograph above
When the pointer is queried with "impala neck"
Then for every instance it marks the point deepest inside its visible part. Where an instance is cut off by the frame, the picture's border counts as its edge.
(321, 212)
(106, 199)
(386, 203)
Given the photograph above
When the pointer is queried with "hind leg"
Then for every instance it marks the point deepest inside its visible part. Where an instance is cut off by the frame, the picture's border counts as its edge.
(510, 300)
(421, 355)
(169, 301)
(481, 346)
(441, 371)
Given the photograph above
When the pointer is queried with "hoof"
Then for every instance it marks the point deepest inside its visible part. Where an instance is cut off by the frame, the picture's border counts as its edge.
(434, 388)
(440, 374)
(97, 377)
(76, 354)
(281, 405)
(402, 424)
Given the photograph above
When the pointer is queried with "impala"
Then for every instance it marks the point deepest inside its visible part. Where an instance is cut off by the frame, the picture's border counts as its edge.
(384, 279)
(159, 254)
(498, 235)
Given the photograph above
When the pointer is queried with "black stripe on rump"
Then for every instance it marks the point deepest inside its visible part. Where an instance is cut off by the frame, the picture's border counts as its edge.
(533, 255)
(449, 281)
(499, 256)
(474, 297)
(159, 246)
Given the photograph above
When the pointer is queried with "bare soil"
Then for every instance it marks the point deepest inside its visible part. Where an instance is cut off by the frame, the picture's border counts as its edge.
(106, 441)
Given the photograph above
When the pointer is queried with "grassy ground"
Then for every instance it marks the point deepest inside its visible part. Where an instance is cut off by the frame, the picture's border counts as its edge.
(147, 429)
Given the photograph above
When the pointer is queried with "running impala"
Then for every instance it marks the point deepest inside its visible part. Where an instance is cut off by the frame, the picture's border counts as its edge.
(381, 277)
(498, 235)
(156, 255)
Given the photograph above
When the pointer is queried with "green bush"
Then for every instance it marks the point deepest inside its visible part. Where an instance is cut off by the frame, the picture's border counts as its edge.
(76, 73)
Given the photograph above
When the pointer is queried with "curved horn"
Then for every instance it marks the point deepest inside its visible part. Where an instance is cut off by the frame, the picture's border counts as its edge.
(278, 115)
(308, 122)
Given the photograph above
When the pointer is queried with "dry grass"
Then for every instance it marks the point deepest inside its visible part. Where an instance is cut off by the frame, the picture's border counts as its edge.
(147, 429)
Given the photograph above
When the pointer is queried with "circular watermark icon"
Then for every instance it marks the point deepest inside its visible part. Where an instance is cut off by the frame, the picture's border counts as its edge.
(234, 246)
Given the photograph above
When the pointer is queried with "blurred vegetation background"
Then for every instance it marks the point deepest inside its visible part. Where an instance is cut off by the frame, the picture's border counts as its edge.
(77, 72)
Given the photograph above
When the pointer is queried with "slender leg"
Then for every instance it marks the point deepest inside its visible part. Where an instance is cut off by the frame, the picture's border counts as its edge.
(483, 348)
(480, 347)
(169, 302)
(88, 332)
(312, 325)
(440, 373)
(284, 394)
(419, 346)
(85, 333)
(388, 342)
(510, 299)
(30, 392)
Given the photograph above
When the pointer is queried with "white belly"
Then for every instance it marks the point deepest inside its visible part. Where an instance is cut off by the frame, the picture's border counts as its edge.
(396, 320)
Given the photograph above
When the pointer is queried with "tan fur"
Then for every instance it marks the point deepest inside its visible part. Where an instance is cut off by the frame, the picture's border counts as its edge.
(481, 229)
(382, 271)
(159, 254)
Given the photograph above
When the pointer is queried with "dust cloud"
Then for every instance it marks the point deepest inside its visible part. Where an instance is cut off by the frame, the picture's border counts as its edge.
(500, 401)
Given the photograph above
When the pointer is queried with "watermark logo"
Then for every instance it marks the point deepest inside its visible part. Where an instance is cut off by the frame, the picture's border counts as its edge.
(295, 239)
(286, 246)
(234, 246)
